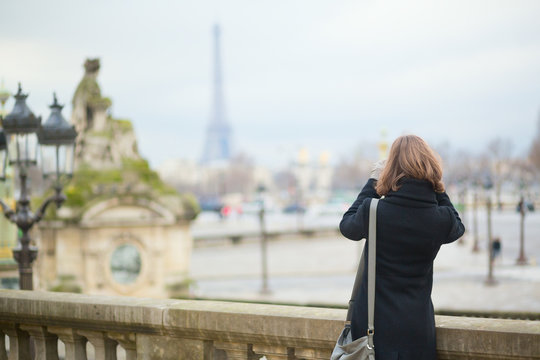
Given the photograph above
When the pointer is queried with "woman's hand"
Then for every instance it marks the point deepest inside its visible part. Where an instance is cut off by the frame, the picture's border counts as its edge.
(377, 169)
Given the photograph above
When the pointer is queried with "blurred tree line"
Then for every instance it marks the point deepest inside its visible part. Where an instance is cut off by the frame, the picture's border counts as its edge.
(498, 168)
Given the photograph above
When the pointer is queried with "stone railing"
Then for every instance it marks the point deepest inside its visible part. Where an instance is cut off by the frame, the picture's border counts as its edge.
(235, 236)
(206, 330)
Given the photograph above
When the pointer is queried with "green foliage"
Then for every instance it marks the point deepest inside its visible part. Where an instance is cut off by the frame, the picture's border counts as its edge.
(106, 102)
(89, 184)
(99, 102)
(180, 289)
(82, 188)
(113, 126)
(191, 206)
(123, 125)
(86, 180)
(147, 175)
(89, 88)
(66, 283)
(105, 134)
(36, 202)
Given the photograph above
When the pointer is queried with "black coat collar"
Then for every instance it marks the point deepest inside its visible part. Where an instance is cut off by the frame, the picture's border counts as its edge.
(413, 192)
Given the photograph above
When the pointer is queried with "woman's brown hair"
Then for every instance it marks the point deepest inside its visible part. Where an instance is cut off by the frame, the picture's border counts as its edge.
(410, 157)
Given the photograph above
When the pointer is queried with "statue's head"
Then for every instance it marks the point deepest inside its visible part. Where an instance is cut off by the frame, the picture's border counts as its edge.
(91, 66)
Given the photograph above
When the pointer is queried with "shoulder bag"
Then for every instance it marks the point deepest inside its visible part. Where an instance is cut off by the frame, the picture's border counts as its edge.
(362, 348)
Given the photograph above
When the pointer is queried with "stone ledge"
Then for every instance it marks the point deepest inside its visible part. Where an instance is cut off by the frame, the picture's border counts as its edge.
(487, 338)
(274, 325)
(290, 326)
(86, 311)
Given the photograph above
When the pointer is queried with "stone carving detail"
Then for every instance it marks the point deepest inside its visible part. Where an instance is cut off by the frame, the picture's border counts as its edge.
(19, 341)
(91, 66)
(128, 342)
(75, 344)
(105, 348)
(3, 353)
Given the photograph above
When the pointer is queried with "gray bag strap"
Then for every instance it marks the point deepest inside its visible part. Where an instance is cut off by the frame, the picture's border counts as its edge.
(372, 238)
(372, 250)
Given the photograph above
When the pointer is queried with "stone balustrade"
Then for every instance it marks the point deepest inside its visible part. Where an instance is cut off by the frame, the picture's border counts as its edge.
(206, 330)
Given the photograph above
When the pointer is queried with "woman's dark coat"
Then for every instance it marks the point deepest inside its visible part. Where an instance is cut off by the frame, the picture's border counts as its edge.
(412, 223)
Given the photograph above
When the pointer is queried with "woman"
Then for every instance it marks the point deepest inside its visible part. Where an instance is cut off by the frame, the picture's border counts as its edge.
(414, 218)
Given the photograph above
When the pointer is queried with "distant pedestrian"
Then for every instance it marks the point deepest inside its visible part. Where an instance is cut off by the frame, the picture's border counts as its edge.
(496, 248)
(414, 218)
(521, 206)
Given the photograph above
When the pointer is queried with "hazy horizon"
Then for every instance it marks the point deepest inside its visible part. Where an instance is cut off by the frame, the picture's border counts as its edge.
(327, 76)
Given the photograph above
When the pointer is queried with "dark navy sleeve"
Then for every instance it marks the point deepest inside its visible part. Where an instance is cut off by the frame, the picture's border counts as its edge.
(457, 229)
(353, 226)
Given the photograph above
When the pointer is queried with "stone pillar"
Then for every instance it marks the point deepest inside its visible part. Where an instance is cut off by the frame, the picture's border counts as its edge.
(75, 344)
(208, 350)
(105, 348)
(273, 352)
(19, 342)
(128, 342)
(160, 347)
(46, 343)
(3, 354)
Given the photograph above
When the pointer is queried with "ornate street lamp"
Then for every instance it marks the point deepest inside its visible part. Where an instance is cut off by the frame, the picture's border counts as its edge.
(57, 140)
(3, 155)
(23, 134)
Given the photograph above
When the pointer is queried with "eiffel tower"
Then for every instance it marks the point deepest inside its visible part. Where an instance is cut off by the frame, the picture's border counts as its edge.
(217, 148)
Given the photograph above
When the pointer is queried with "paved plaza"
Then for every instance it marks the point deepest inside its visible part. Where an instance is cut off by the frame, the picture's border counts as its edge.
(321, 270)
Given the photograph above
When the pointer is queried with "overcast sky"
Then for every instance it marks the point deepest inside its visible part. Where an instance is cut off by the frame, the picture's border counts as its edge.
(326, 75)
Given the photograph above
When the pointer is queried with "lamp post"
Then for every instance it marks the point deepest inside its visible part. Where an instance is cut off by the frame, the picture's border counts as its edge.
(475, 221)
(488, 185)
(522, 259)
(19, 142)
(462, 196)
(264, 242)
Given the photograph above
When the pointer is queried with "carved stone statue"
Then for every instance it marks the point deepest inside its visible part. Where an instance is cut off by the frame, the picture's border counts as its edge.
(103, 142)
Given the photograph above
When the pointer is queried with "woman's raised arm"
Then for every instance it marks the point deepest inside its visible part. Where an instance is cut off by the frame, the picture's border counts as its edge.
(457, 229)
(352, 225)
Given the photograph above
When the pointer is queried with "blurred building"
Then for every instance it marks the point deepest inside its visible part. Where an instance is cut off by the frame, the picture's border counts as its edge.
(237, 178)
(180, 173)
(313, 178)
(382, 145)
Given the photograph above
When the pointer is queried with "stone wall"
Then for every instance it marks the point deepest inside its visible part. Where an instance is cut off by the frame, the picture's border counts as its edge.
(205, 330)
